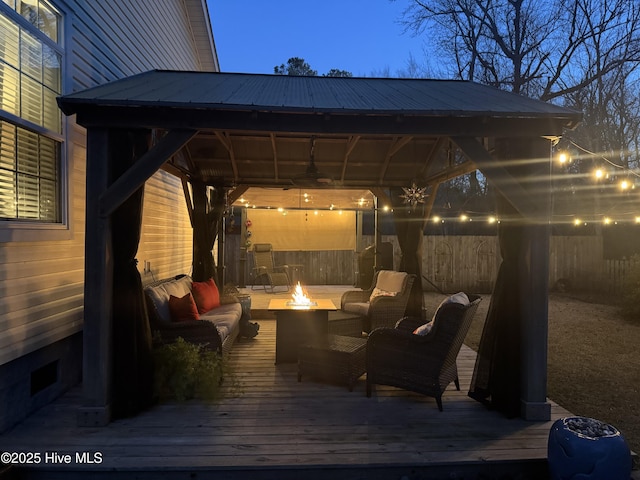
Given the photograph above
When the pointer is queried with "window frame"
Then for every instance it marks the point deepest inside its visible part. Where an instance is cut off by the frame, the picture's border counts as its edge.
(25, 230)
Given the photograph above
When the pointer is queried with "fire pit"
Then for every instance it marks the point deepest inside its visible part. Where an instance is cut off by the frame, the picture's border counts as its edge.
(299, 321)
(300, 299)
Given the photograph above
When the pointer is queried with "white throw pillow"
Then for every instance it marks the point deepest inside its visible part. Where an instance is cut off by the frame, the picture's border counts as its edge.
(378, 292)
(423, 329)
(459, 297)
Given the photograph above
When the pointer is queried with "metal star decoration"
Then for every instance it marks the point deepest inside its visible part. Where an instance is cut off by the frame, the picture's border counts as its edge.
(413, 196)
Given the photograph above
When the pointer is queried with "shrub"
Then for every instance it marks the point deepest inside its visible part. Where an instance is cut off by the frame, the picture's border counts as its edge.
(185, 370)
(630, 301)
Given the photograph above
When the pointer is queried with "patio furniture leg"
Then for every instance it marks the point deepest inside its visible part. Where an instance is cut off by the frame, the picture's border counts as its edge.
(439, 402)
(457, 382)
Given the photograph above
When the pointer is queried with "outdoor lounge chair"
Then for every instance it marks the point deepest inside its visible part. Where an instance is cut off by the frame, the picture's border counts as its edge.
(383, 303)
(421, 363)
(265, 272)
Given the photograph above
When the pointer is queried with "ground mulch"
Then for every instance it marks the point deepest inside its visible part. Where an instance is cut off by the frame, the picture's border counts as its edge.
(593, 358)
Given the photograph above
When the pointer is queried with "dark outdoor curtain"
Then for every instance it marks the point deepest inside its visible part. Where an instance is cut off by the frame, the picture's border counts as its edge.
(133, 361)
(409, 222)
(496, 376)
(208, 209)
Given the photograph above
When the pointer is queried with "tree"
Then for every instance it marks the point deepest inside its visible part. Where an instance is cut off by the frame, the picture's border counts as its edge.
(581, 53)
(335, 72)
(299, 67)
(295, 66)
(540, 48)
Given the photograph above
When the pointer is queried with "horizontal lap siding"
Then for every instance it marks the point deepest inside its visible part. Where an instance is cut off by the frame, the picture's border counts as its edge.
(166, 238)
(116, 39)
(41, 293)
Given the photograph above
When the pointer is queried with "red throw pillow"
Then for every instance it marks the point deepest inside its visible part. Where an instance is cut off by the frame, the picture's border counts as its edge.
(183, 309)
(206, 295)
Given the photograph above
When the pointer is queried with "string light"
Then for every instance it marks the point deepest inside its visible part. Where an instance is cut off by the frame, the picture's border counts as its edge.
(563, 157)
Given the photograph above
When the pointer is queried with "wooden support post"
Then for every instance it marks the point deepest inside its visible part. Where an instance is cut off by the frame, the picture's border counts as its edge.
(534, 329)
(242, 283)
(97, 351)
(530, 160)
(377, 236)
(221, 254)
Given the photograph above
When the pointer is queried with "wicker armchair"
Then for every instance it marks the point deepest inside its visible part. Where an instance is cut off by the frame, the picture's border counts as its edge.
(381, 310)
(423, 364)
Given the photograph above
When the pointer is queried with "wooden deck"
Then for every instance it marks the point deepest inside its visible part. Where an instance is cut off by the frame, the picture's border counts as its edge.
(281, 429)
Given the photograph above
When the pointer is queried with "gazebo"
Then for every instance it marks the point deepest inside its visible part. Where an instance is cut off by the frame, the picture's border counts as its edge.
(225, 132)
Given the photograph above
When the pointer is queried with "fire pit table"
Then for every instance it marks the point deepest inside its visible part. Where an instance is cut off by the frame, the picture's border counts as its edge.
(297, 325)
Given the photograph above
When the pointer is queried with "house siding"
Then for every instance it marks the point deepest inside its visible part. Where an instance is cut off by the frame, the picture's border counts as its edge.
(42, 287)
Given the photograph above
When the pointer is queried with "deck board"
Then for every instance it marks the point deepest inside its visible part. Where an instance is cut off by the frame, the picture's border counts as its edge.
(278, 426)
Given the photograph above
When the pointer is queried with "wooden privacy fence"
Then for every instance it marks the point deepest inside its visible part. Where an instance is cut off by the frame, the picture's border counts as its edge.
(450, 263)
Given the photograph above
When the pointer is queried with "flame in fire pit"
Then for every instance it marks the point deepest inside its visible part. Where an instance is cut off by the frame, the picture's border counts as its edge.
(300, 299)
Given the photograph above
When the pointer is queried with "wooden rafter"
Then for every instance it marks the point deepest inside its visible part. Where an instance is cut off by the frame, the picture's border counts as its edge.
(225, 139)
(429, 159)
(396, 145)
(451, 172)
(351, 144)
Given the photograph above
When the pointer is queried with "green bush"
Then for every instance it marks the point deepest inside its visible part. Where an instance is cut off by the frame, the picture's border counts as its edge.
(184, 371)
(630, 301)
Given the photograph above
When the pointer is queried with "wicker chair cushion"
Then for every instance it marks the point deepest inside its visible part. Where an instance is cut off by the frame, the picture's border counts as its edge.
(360, 308)
(160, 295)
(391, 281)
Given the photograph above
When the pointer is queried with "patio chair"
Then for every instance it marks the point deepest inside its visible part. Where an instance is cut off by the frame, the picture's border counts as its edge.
(266, 272)
(421, 362)
(383, 303)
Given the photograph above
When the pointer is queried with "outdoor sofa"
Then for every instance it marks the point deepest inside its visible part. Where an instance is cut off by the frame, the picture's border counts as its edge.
(195, 311)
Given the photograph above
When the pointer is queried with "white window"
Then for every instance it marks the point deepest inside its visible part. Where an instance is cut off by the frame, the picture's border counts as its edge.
(30, 121)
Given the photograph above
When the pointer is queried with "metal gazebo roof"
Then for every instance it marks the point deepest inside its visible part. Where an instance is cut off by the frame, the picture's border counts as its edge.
(264, 130)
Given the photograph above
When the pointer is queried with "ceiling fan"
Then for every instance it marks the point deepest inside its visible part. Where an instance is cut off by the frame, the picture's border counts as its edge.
(312, 177)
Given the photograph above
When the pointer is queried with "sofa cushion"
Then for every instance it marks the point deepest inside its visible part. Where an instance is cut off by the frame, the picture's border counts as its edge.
(183, 309)
(206, 295)
(391, 281)
(159, 295)
(224, 317)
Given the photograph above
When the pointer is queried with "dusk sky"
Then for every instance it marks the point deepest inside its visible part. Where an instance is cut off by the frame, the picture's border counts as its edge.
(361, 36)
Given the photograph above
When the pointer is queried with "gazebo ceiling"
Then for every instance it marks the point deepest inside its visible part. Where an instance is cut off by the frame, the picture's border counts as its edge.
(265, 130)
(284, 159)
